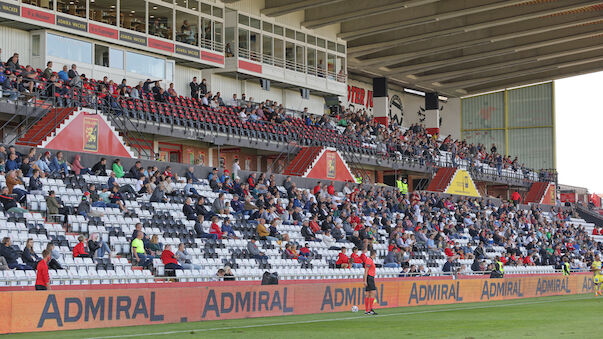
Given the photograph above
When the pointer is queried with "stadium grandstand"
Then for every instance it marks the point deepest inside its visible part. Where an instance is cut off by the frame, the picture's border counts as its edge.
(158, 146)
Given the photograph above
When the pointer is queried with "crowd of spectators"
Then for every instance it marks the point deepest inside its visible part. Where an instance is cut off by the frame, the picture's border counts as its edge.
(394, 141)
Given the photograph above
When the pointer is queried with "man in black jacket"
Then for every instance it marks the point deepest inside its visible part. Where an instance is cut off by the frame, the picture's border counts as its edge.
(188, 210)
(11, 255)
(35, 184)
(194, 88)
(200, 233)
(100, 168)
(307, 232)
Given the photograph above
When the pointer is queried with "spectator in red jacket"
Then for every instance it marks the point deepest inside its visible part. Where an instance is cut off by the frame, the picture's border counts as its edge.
(79, 251)
(168, 259)
(42, 277)
(342, 259)
(331, 189)
(516, 197)
(356, 259)
(215, 228)
(314, 224)
(316, 189)
(595, 231)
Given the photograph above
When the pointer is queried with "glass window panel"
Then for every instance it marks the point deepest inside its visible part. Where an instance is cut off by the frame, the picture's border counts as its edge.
(331, 60)
(169, 71)
(103, 11)
(206, 33)
(311, 61)
(243, 43)
(290, 55)
(254, 45)
(331, 46)
(72, 7)
(168, 1)
(278, 52)
(267, 27)
(300, 56)
(218, 35)
(101, 55)
(255, 23)
(301, 37)
(340, 68)
(145, 65)
(340, 48)
(531, 106)
(267, 49)
(160, 21)
(484, 111)
(320, 64)
(116, 58)
(311, 39)
(243, 20)
(218, 12)
(70, 49)
(132, 15)
(190, 4)
(321, 42)
(48, 4)
(205, 8)
(290, 33)
(278, 30)
(188, 28)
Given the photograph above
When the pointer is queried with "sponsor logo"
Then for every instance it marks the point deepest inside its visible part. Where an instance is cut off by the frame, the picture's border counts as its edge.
(71, 23)
(434, 292)
(102, 31)
(358, 96)
(337, 297)
(90, 134)
(213, 57)
(251, 301)
(99, 309)
(191, 52)
(553, 285)
(162, 45)
(9, 8)
(37, 15)
(494, 289)
(133, 38)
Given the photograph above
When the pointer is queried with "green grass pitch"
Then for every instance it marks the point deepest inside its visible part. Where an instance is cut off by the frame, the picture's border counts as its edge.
(575, 316)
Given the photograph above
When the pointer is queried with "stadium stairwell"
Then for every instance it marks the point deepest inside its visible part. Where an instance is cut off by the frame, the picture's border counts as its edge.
(537, 192)
(320, 163)
(442, 179)
(302, 161)
(83, 130)
(44, 128)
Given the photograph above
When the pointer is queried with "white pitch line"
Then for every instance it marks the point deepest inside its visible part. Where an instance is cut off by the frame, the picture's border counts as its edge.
(337, 319)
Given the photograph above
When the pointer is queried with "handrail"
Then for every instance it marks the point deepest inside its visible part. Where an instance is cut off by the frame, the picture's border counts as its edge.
(304, 272)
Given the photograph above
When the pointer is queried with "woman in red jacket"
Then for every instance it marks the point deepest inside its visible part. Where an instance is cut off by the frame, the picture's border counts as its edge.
(79, 251)
(215, 228)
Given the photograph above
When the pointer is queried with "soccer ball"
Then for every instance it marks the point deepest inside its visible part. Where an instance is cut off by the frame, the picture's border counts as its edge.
(354, 308)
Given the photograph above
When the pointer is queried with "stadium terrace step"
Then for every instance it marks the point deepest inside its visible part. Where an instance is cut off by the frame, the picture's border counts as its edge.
(536, 192)
(299, 165)
(441, 180)
(36, 135)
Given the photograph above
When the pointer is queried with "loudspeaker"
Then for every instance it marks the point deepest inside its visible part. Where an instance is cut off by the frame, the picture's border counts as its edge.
(265, 83)
(379, 87)
(305, 93)
(431, 101)
(270, 278)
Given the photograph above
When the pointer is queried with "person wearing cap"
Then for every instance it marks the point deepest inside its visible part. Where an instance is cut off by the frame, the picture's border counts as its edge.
(213, 173)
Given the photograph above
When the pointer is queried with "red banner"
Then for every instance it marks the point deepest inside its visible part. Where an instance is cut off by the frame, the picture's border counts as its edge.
(35, 14)
(162, 45)
(567, 197)
(90, 308)
(103, 31)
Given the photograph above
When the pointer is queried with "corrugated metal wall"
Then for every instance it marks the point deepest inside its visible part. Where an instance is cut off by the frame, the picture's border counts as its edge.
(529, 123)
(15, 41)
(484, 111)
(530, 106)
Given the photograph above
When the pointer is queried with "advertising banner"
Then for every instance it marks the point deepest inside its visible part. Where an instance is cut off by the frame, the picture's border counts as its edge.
(462, 184)
(27, 311)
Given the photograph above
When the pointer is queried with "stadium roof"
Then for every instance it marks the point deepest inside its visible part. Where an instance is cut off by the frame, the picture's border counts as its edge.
(460, 47)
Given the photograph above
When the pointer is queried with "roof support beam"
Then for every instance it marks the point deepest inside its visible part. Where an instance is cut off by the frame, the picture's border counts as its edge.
(440, 77)
(424, 66)
(486, 79)
(353, 9)
(379, 46)
(281, 7)
(544, 26)
(461, 11)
